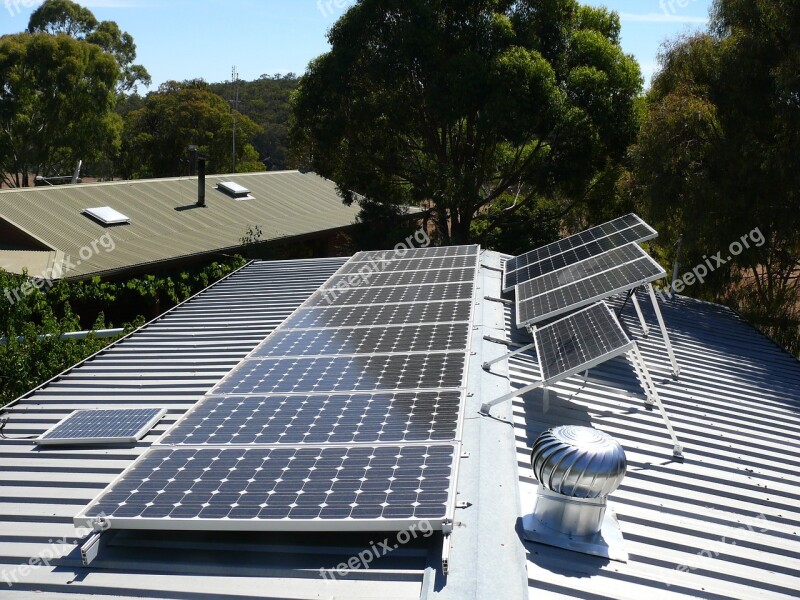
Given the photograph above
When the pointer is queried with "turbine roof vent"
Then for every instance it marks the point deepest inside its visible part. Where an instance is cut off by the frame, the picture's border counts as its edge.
(579, 462)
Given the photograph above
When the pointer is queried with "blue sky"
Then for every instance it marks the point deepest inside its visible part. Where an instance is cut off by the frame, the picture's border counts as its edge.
(184, 39)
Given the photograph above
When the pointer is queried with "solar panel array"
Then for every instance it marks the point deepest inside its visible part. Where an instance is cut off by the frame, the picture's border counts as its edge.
(565, 290)
(576, 248)
(346, 417)
(579, 341)
(88, 427)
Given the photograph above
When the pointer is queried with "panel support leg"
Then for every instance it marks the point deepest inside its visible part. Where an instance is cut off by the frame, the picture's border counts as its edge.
(677, 448)
(676, 370)
(637, 306)
(488, 364)
(486, 407)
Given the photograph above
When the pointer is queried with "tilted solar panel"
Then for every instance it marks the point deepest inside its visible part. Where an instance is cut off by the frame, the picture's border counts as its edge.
(579, 341)
(636, 234)
(533, 308)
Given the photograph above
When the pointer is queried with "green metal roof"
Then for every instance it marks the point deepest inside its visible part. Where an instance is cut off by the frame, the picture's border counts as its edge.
(165, 225)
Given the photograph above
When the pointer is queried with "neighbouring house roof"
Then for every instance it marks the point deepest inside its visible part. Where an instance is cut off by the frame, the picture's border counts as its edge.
(722, 524)
(164, 224)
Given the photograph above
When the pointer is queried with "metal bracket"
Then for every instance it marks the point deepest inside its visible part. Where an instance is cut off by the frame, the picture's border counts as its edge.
(486, 407)
(446, 554)
(500, 300)
(465, 454)
(92, 546)
(676, 370)
(463, 504)
(487, 366)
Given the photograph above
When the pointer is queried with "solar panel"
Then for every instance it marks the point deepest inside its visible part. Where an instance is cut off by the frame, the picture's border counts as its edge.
(92, 427)
(404, 278)
(584, 269)
(637, 234)
(365, 340)
(370, 374)
(532, 308)
(320, 419)
(262, 488)
(365, 296)
(414, 264)
(346, 374)
(406, 253)
(381, 314)
(579, 341)
(630, 221)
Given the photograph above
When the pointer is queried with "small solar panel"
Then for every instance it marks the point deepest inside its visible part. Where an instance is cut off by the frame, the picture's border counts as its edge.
(579, 341)
(572, 256)
(258, 488)
(381, 314)
(92, 427)
(365, 340)
(585, 237)
(461, 290)
(319, 419)
(346, 374)
(533, 308)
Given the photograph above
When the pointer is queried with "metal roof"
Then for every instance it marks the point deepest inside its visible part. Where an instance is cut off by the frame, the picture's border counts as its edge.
(722, 524)
(165, 225)
(685, 524)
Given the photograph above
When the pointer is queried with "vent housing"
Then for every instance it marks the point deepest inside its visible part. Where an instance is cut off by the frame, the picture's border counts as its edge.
(577, 469)
(105, 215)
(234, 190)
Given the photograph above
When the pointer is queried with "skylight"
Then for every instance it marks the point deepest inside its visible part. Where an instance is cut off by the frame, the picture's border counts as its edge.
(107, 215)
(234, 190)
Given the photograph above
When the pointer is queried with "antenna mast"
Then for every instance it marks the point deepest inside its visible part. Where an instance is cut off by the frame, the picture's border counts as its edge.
(235, 108)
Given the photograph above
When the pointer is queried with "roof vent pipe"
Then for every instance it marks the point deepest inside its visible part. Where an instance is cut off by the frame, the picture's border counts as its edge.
(201, 181)
(192, 160)
(577, 468)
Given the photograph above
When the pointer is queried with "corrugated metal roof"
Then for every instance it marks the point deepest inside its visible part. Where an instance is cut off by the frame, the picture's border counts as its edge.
(735, 407)
(164, 223)
(722, 524)
(171, 363)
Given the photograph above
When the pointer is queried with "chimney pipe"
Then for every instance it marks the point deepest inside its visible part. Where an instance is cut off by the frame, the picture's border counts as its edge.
(201, 181)
(192, 160)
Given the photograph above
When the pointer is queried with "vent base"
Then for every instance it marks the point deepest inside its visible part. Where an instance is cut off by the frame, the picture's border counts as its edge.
(546, 526)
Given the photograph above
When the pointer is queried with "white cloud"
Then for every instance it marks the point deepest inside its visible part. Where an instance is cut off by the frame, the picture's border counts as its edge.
(663, 18)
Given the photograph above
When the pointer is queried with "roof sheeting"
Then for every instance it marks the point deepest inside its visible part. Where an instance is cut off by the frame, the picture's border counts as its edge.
(170, 363)
(165, 224)
(722, 524)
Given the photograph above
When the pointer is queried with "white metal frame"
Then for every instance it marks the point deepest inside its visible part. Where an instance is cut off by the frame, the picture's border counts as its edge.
(647, 284)
(97, 441)
(634, 355)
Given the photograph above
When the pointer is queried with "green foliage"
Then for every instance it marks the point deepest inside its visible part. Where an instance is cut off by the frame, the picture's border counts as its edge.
(461, 104)
(78, 306)
(56, 106)
(157, 136)
(266, 101)
(718, 157)
(56, 17)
